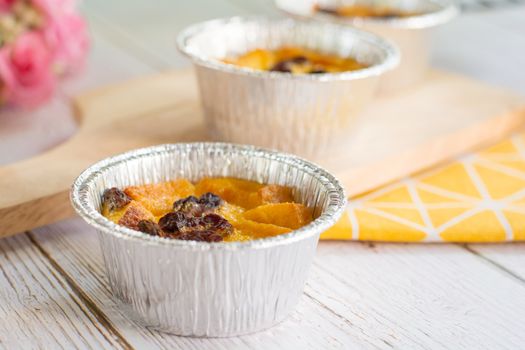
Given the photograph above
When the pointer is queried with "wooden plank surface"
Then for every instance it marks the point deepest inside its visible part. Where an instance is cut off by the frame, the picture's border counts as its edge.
(510, 258)
(38, 309)
(358, 296)
(424, 296)
(73, 245)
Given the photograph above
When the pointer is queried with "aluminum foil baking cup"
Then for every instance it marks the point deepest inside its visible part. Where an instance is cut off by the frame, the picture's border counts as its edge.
(208, 289)
(310, 115)
(410, 34)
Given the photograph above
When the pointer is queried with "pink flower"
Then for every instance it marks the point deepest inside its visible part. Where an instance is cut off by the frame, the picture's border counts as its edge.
(54, 8)
(67, 37)
(5, 5)
(25, 70)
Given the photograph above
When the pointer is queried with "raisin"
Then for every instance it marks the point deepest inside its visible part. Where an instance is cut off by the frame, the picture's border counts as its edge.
(330, 11)
(210, 200)
(193, 219)
(210, 236)
(149, 227)
(214, 237)
(115, 199)
(190, 236)
(188, 205)
(282, 66)
(209, 228)
(299, 59)
(173, 222)
(285, 66)
(318, 71)
(217, 224)
(194, 206)
(201, 236)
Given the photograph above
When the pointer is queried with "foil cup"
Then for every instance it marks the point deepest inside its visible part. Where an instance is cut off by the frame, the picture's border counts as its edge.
(309, 115)
(208, 289)
(410, 34)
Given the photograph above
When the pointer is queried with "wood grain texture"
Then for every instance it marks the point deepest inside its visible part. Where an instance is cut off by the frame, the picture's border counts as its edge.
(451, 115)
(39, 309)
(510, 258)
(73, 245)
(420, 297)
(358, 296)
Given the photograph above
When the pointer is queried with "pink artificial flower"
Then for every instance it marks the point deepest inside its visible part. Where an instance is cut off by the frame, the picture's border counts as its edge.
(52, 9)
(67, 37)
(25, 70)
(5, 5)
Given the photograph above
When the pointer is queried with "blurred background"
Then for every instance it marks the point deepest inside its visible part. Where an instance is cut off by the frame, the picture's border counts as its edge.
(486, 42)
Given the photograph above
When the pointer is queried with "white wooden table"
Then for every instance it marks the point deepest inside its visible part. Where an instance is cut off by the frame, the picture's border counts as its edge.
(54, 292)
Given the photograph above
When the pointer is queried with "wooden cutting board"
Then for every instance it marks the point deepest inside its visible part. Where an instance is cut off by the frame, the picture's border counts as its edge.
(399, 134)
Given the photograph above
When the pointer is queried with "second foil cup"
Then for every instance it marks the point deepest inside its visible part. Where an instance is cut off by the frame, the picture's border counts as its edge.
(309, 115)
(410, 33)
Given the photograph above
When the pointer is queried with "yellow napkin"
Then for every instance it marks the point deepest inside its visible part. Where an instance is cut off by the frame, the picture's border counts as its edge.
(479, 197)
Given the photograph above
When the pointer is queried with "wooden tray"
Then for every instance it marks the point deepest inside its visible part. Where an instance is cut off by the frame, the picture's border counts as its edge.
(443, 117)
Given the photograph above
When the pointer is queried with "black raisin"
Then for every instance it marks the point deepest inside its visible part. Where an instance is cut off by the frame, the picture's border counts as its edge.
(193, 206)
(206, 236)
(188, 205)
(149, 227)
(299, 59)
(215, 237)
(114, 199)
(210, 200)
(192, 223)
(282, 66)
(217, 224)
(388, 16)
(193, 219)
(330, 11)
(173, 222)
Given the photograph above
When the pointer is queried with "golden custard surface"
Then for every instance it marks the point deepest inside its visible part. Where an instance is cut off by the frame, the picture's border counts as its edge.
(254, 210)
(366, 11)
(295, 60)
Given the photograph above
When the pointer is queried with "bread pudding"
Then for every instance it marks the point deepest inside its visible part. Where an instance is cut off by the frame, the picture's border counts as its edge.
(211, 210)
(383, 12)
(295, 60)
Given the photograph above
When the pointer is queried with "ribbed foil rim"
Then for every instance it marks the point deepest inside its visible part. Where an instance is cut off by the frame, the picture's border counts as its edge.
(86, 209)
(391, 60)
(446, 10)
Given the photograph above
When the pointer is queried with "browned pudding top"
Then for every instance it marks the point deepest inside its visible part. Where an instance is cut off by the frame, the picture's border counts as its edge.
(211, 210)
(295, 60)
(384, 12)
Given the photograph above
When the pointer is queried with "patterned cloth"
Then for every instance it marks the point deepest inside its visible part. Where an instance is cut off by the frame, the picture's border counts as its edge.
(478, 198)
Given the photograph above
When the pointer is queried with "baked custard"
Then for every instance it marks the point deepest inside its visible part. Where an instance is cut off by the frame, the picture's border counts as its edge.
(383, 12)
(212, 210)
(295, 60)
